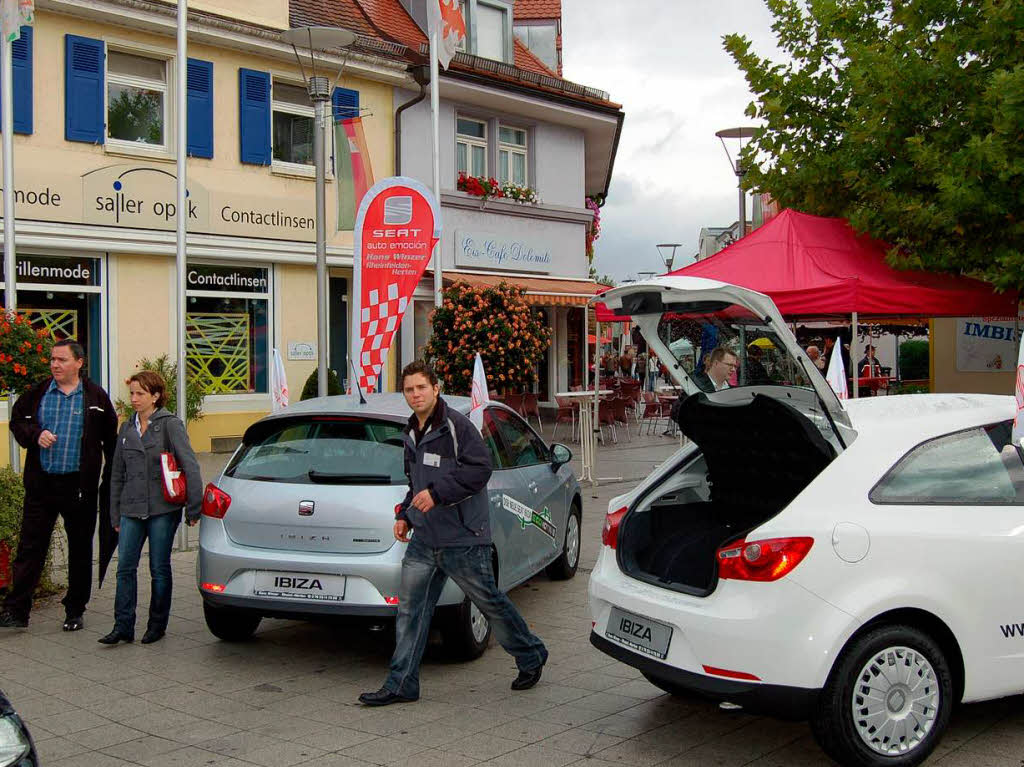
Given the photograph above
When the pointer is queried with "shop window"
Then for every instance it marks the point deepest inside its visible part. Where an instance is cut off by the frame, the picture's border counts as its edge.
(471, 146)
(292, 124)
(137, 100)
(541, 39)
(227, 328)
(512, 155)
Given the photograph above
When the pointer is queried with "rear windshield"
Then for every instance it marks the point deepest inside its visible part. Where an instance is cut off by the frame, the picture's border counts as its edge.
(743, 348)
(323, 450)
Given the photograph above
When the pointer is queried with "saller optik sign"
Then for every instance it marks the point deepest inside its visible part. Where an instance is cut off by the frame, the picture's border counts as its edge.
(397, 226)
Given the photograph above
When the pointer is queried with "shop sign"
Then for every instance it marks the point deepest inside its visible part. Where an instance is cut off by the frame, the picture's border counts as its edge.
(228, 279)
(301, 350)
(397, 226)
(483, 250)
(986, 344)
(56, 271)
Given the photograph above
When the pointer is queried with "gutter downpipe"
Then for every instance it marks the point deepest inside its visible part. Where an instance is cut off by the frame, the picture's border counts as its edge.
(420, 75)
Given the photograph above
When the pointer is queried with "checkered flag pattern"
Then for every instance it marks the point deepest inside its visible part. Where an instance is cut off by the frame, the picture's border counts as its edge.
(378, 323)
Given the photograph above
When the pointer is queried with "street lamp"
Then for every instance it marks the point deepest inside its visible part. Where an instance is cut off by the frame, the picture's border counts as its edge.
(739, 134)
(319, 89)
(668, 256)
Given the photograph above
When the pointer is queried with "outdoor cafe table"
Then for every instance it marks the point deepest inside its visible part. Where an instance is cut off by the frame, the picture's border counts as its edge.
(587, 442)
(874, 383)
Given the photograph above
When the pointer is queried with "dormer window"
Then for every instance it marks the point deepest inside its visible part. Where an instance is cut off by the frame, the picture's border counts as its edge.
(541, 38)
(489, 23)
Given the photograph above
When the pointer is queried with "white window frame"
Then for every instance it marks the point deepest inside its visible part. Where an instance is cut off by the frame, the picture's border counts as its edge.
(514, 149)
(295, 168)
(470, 142)
(120, 146)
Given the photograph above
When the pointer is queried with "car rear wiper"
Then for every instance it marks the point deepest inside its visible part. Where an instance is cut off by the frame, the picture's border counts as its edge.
(328, 478)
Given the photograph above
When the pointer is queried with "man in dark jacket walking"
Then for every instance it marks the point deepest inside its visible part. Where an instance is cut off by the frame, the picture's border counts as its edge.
(69, 428)
(448, 466)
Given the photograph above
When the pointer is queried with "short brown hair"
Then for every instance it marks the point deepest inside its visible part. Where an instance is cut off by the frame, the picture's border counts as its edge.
(719, 353)
(419, 367)
(152, 383)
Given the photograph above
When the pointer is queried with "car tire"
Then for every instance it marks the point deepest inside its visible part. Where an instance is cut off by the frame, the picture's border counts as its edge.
(231, 624)
(564, 568)
(886, 728)
(465, 631)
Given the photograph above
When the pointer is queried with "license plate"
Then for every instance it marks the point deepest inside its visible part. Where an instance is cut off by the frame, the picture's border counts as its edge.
(316, 587)
(639, 633)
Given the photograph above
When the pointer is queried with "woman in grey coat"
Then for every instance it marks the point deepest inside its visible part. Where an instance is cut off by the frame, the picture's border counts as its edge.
(138, 509)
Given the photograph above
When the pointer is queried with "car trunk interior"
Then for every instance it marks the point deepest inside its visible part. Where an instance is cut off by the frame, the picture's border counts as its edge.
(753, 459)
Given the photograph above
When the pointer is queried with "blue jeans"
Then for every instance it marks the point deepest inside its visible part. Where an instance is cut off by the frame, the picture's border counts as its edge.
(160, 530)
(424, 573)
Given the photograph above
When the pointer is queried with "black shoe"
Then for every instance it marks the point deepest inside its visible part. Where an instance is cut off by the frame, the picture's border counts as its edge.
(383, 697)
(527, 679)
(116, 636)
(152, 635)
(74, 623)
(12, 621)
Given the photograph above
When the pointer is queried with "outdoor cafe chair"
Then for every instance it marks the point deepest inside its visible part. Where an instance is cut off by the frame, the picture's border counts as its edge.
(653, 411)
(566, 414)
(514, 400)
(606, 417)
(531, 406)
(620, 409)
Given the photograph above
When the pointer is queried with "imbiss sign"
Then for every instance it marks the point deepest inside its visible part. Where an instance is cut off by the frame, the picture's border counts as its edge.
(141, 197)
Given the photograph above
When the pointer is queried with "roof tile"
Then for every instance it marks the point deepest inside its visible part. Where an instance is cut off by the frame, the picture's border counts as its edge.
(526, 59)
(538, 9)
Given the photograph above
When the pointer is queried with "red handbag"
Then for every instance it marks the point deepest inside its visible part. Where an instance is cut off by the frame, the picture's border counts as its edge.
(174, 486)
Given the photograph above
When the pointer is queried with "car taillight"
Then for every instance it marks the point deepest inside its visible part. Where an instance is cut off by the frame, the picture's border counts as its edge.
(215, 502)
(610, 532)
(761, 560)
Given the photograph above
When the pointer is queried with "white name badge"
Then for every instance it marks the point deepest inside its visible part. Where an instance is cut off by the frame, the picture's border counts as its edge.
(431, 459)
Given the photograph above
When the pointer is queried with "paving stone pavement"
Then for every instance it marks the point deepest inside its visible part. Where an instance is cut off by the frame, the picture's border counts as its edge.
(289, 696)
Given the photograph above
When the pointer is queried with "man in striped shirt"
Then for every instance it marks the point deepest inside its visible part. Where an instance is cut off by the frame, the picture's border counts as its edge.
(69, 429)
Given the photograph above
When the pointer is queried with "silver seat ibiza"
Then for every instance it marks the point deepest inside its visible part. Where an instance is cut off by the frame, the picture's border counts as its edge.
(299, 523)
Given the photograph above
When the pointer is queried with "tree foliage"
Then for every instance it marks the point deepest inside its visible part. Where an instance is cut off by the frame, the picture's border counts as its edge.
(904, 116)
(168, 371)
(495, 321)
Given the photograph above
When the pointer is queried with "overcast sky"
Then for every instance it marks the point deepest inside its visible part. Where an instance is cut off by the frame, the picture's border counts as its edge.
(663, 60)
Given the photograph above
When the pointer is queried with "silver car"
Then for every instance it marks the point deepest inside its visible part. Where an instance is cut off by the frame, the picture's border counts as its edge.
(299, 524)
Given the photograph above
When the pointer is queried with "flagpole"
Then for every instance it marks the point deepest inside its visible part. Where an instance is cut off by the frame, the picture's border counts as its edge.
(435, 108)
(181, 146)
(10, 270)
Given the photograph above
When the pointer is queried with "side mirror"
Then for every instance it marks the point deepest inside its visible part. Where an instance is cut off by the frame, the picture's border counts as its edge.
(560, 455)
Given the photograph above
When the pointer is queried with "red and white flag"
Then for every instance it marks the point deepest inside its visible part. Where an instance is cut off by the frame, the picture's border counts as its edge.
(836, 374)
(278, 385)
(445, 16)
(478, 395)
(397, 225)
(15, 14)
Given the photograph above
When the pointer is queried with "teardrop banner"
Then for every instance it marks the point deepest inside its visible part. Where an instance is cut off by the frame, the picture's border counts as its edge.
(397, 226)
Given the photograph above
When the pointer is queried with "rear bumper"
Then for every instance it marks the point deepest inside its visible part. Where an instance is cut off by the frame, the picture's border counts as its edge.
(295, 610)
(776, 700)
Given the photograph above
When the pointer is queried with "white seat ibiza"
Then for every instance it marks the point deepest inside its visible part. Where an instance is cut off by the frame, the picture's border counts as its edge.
(857, 566)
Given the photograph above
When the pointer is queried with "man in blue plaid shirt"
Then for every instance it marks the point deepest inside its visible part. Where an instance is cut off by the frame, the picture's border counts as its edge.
(69, 428)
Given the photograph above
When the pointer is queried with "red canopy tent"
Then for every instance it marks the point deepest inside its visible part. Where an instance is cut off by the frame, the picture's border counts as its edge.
(812, 266)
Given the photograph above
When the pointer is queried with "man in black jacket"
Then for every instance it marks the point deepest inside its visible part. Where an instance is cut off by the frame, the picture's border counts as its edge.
(69, 428)
(448, 466)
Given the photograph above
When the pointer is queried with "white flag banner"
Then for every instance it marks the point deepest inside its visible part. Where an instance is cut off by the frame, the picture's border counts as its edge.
(1018, 420)
(278, 385)
(446, 17)
(479, 396)
(836, 374)
(15, 14)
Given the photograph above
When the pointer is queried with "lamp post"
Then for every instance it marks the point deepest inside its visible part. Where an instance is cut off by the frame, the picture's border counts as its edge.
(738, 134)
(319, 88)
(668, 256)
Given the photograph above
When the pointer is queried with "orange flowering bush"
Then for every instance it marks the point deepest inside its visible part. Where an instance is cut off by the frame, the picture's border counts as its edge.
(497, 322)
(24, 354)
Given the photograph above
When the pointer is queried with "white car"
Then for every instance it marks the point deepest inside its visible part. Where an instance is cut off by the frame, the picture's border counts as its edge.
(858, 566)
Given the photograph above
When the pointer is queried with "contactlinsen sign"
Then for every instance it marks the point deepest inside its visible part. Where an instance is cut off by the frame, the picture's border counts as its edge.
(483, 250)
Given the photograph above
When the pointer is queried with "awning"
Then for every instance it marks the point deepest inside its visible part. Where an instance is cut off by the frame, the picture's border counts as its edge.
(539, 291)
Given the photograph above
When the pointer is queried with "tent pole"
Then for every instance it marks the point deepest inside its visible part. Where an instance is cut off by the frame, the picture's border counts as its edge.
(853, 357)
(597, 387)
(586, 346)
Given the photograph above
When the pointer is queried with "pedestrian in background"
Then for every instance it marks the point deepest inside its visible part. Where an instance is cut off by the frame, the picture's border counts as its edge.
(448, 466)
(68, 428)
(138, 509)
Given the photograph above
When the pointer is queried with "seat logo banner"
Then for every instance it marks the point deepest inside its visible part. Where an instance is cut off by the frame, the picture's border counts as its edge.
(397, 226)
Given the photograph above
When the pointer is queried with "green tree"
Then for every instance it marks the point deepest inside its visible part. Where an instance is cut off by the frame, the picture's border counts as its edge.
(168, 371)
(904, 116)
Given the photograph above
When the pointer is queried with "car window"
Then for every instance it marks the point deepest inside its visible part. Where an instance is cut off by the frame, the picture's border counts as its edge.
(976, 466)
(489, 431)
(524, 447)
(323, 450)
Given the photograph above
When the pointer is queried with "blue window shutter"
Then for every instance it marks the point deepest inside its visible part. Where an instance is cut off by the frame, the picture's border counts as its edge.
(84, 75)
(21, 75)
(200, 108)
(254, 116)
(344, 103)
